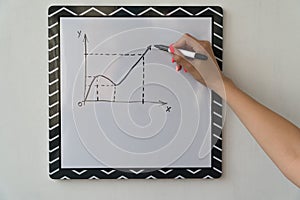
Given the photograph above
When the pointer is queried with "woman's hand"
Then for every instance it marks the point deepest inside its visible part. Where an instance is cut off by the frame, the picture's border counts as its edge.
(207, 71)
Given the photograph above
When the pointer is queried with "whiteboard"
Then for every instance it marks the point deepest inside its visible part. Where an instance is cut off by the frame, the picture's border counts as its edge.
(123, 104)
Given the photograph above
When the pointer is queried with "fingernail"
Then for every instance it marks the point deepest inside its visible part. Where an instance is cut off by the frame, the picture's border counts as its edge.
(173, 60)
(171, 48)
(185, 70)
(178, 67)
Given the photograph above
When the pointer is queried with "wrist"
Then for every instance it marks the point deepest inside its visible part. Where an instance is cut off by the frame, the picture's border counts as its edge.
(223, 87)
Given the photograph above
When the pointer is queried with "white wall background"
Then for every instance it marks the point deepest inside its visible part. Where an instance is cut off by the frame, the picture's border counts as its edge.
(262, 49)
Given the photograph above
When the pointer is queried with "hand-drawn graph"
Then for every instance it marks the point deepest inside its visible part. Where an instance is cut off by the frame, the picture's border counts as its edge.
(96, 79)
(125, 105)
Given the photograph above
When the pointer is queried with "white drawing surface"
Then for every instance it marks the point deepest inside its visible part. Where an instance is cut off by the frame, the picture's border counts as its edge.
(123, 104)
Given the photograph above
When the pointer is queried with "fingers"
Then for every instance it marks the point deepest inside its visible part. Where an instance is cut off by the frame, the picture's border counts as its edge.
(178, 67)
(186, 64)
(173, 60)
(179, 58)
(181, 61)
(187, 67)
(187, 42)
(172, 49)
(206, 72)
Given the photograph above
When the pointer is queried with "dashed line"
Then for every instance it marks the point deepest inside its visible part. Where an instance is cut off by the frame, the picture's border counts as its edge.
(97, 90)
(115, 90)
(143, 84)
(114, 54)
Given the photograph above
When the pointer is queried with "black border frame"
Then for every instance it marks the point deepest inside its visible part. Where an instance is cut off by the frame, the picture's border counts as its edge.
(54, 14)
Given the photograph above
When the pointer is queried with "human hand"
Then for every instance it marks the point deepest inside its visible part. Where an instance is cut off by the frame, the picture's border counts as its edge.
(207, 71)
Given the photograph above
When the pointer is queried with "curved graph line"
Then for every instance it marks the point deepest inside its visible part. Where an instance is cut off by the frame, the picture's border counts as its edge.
(124, 77)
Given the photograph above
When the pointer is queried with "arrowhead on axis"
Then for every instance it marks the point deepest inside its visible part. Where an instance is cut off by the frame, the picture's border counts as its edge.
(85, 38)
(162, 102)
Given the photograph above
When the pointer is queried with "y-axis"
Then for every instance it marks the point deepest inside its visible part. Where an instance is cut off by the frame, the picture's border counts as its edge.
(85, 66)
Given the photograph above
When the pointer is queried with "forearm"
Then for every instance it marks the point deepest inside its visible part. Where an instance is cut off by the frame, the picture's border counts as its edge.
(279, 138)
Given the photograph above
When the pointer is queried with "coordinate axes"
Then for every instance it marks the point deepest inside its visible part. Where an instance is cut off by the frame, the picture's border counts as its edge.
(114, 84)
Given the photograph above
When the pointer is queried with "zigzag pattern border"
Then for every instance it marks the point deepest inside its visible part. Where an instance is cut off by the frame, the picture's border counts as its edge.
(54, 13)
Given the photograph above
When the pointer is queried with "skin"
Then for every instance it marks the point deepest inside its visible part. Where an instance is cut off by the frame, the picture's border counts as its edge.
(279, 138)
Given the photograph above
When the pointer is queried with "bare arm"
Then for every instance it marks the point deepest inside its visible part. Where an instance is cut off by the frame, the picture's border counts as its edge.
(278, 137)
